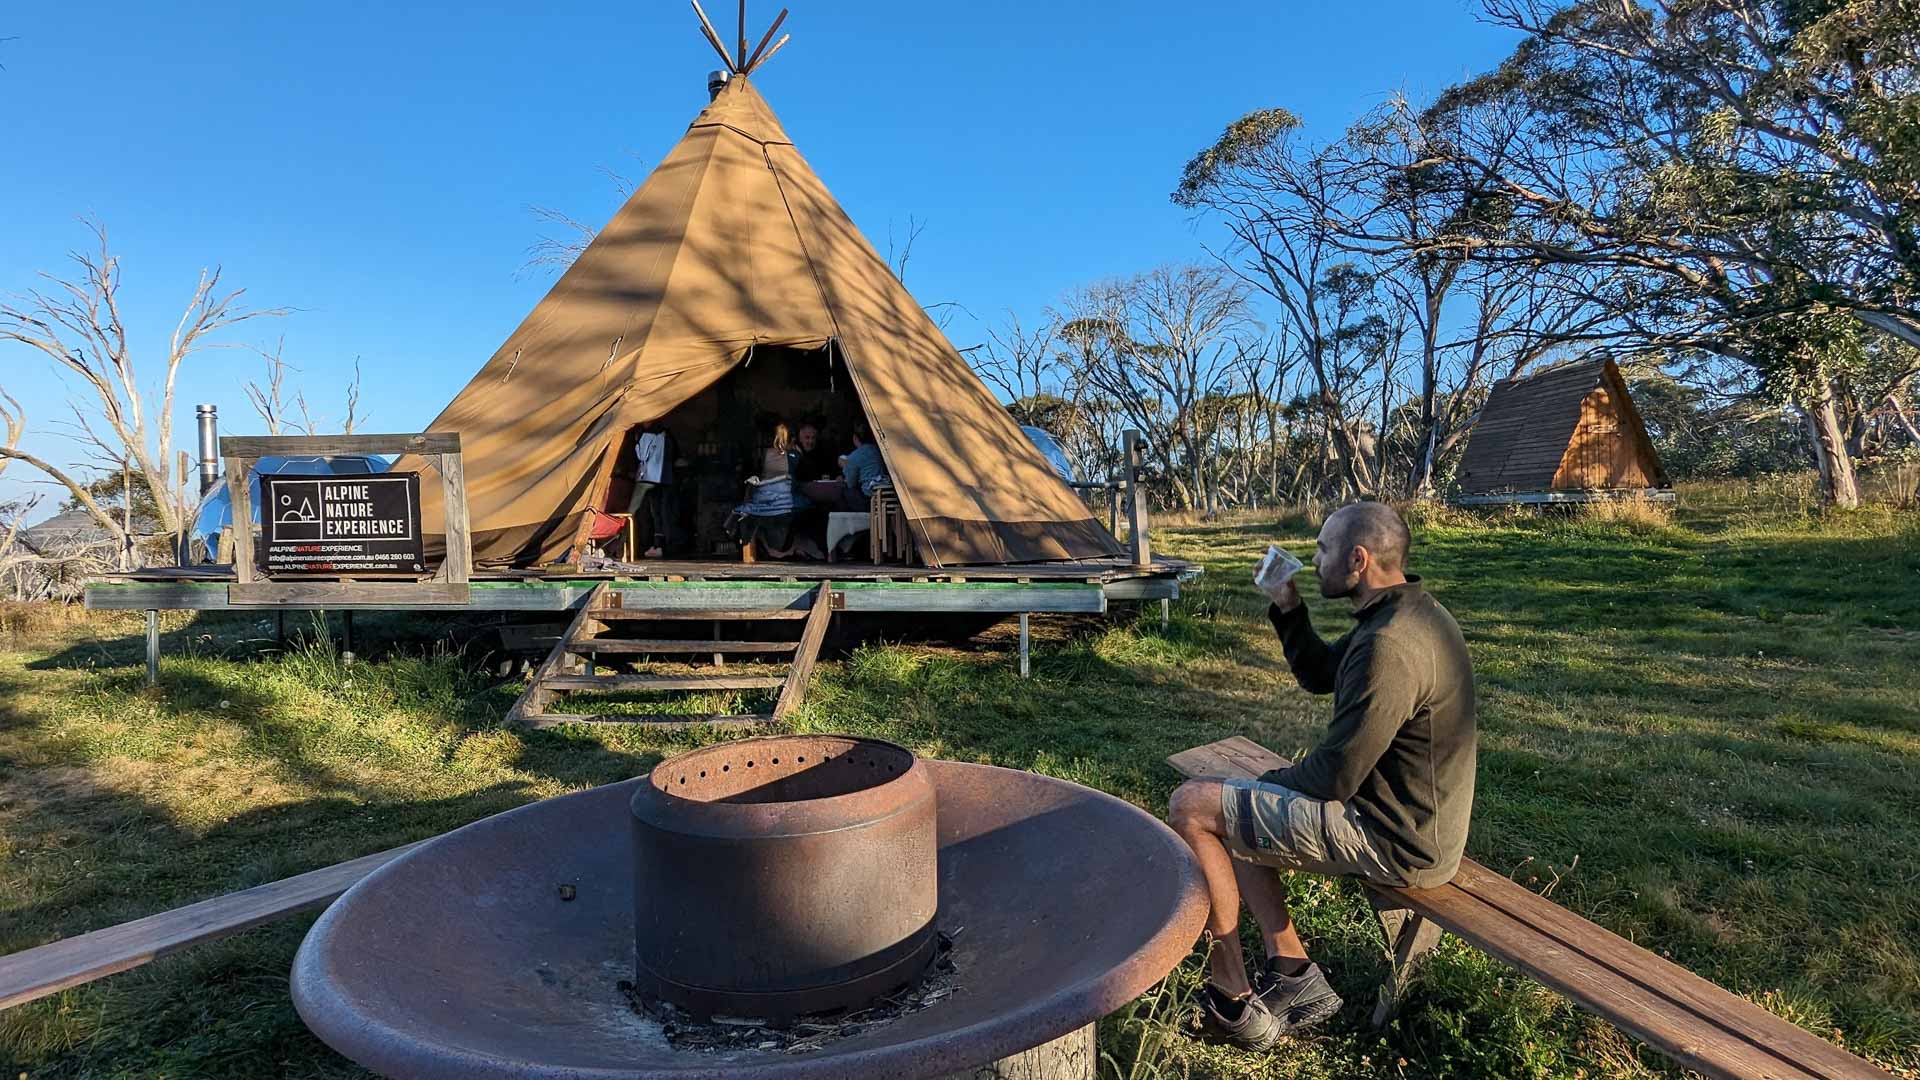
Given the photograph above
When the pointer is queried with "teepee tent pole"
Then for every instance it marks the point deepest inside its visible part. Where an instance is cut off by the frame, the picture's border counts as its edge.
(754, 60)
(713, 38)
(776, 48)
(742, 66)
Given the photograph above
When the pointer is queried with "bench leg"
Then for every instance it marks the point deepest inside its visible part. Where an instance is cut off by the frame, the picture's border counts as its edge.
(1410, 938)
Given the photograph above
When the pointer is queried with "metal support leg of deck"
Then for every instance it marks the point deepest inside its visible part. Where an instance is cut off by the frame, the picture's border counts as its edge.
(153, 647)
(1166, 614)
(346, 637)
(1026, 645)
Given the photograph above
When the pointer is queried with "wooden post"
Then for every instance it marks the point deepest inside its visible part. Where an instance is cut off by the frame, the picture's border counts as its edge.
(153, 647)
(238, 469)
(1073, 1056)
(458, 566)
(1026, 643)
(1133, 448)
(1410, 938)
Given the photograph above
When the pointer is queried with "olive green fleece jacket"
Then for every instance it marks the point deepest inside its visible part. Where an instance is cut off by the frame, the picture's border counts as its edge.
(1401, 745)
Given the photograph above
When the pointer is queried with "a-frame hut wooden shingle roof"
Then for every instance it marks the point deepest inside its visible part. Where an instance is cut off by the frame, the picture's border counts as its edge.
(1569, 429)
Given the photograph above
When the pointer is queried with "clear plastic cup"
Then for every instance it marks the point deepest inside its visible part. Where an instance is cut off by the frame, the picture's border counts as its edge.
(1275, 568)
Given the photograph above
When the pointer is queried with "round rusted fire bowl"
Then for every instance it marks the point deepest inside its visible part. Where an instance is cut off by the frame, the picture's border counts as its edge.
(796, 872)
(466, 958)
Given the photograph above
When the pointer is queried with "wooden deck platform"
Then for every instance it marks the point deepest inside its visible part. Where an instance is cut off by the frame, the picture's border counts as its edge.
(696, 586)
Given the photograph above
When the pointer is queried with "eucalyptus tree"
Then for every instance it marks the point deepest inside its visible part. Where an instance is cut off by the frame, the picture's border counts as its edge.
(1744, 172)
(1274, 194)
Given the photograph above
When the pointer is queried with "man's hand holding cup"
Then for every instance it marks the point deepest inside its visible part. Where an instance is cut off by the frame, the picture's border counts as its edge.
(1274, 577)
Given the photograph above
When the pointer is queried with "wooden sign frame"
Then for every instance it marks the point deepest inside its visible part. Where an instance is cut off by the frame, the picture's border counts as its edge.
(447, 585)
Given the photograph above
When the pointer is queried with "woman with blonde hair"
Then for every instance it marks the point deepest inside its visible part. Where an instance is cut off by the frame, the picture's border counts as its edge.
(780, 455)
(772, 501)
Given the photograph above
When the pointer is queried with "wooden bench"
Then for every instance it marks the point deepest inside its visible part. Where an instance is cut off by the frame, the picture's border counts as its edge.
(1661, 1003)
(58, 965)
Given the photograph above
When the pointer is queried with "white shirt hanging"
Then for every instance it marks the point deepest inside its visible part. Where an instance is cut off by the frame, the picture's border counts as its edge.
(652, 451)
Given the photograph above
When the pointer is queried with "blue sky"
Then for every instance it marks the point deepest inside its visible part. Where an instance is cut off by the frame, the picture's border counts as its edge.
(371, 165)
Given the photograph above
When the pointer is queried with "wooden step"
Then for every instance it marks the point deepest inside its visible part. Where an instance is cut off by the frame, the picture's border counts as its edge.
(661, 720)
(616, 614)
(615, 683)
(614, 646)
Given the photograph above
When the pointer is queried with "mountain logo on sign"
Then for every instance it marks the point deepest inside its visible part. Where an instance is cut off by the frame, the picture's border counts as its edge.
(303, 514)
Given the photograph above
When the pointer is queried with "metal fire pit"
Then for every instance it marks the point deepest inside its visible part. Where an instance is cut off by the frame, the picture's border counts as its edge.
(797, 872)
(463, 958)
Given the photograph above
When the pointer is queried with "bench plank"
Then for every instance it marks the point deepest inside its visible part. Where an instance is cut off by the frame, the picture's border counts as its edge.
(1669, 980)
(1698, 1024)
(58, 965)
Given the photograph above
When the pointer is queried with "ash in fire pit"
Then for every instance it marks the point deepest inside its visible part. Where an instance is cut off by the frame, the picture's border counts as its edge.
(802, 1034)
(784, 876)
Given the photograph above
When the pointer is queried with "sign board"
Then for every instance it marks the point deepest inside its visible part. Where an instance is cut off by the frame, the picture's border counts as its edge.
(340, 525)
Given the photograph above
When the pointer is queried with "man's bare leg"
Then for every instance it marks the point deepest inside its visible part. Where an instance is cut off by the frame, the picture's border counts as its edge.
(1265, 893)
(1194, 813)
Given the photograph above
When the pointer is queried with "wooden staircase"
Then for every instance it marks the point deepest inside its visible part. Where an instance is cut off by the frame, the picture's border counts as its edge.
(573, 665)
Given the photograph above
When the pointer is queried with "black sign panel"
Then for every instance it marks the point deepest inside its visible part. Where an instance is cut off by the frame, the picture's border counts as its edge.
(340, 525)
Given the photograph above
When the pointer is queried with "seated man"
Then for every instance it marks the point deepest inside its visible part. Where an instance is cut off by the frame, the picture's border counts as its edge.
(1384, 797)
(817, 471)
(863, 470)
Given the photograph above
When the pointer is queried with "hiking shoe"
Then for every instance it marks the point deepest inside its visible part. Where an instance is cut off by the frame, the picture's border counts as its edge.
(1255, 1029)
(1296, 1001)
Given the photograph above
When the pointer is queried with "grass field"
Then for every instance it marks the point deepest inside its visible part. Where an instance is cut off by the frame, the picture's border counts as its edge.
(1703, 733)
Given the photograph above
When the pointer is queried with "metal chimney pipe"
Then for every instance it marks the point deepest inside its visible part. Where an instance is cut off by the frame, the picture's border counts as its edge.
(209, 418)
(716, 82)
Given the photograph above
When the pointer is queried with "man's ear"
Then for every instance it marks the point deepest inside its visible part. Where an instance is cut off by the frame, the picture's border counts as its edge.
(1359, 560)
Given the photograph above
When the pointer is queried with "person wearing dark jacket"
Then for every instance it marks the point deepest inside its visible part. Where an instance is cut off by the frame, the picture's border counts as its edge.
(1385, 796)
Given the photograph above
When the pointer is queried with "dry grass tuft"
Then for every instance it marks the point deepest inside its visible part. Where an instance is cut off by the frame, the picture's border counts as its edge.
(1634, 510)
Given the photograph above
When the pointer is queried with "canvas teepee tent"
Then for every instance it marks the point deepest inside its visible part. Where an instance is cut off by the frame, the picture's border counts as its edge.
(733, 243)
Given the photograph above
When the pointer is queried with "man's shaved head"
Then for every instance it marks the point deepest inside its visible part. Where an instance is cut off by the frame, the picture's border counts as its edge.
(1370, 525)
(1374, 526)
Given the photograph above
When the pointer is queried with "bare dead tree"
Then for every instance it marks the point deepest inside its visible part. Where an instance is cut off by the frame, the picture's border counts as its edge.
(899, 253)
(564, 238)
(76, 324)
(1158, 345)
(278, 414)
(554, 253)
(269, 401)
(13, 515)
(1024, 365)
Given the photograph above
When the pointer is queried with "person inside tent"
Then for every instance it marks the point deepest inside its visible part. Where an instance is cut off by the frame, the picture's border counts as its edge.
(816, 461)
(652, 483)
(765, 519)
(863, 470)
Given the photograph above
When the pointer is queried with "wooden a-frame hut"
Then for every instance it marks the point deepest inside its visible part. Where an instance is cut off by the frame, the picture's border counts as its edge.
(1567, 434)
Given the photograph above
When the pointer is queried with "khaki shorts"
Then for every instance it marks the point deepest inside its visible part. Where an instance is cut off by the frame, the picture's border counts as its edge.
(1276, 826)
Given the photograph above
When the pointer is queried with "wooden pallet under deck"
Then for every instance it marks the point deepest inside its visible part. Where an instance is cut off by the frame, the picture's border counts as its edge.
(572, 665)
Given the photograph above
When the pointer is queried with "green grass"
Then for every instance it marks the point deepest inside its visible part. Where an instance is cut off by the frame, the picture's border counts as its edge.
(1703, 733)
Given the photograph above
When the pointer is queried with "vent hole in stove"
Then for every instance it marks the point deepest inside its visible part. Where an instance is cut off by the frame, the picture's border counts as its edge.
(709, 776)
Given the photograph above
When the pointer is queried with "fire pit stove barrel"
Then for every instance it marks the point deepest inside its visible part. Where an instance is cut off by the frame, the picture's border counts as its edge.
(785, 875)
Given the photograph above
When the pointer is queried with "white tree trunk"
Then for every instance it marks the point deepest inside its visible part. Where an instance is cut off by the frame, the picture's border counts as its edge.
(1838, 488)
